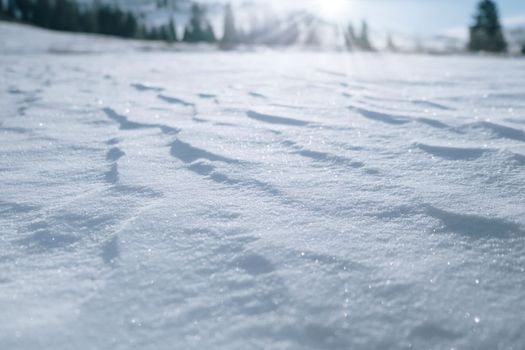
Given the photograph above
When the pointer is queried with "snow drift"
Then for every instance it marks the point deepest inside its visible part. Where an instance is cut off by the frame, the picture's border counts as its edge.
(160, 200)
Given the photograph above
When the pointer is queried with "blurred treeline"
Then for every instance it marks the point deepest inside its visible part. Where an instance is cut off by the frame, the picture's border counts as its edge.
(98, 18)
(72, 16)
(486, 32)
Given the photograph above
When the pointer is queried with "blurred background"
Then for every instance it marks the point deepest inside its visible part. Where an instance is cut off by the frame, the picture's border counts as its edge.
(444, 26)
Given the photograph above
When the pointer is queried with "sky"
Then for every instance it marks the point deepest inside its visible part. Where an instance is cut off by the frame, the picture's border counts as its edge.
(413, 17)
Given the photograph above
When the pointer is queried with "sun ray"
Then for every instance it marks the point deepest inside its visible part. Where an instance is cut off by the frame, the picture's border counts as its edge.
(335, 10)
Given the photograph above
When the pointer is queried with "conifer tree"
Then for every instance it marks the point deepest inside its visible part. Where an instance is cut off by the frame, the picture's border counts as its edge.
(419, 48)
(112, 21)
(43, 13)
(209, 35)
(151, 34)
(64, 16)
(25, 7)
(187, 34)
(193, 31)
(390, 44)
(130, 25)
(1, 8)
(312, 38)
(172, 31)
(163, 33)
(364, 40)
(142, 32)
(290, 34)
(486, 34)
(350, 38)
(88, 21)
(230, 33)
(11, 9)
(199, 29)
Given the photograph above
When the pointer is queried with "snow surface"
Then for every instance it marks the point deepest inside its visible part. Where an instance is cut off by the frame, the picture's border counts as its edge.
(181, 200)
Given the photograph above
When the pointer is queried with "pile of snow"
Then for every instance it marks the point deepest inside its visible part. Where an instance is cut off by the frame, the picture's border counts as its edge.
(161, 200)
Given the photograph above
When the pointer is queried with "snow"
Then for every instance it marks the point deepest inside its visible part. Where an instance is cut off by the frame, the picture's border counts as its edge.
(276, 200)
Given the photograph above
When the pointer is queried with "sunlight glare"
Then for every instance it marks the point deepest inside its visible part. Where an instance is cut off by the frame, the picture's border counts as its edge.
(334, 9)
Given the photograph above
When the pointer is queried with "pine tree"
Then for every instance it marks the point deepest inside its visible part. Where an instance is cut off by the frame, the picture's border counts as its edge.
(163, 33)
(26, 9)
(172, 31)
(350, 38)
(103, 19)
(120, 23)
(111, 21)
(364, 41)
(3, 9)
(199, 29)
(151, 34)
(130, 26)
(230, 34)
(486, 34)
(64, 16)
(142, 32)
(194, 31)
(11, 9)
(88, 21)
(390, 44)
(187, 34)
(290, 34)
(419, 48)
(523, 49)
(312, 38)
(43, 13)
(209, 35)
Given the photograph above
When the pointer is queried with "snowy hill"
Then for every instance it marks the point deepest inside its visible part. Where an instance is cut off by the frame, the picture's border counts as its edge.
(258, 200)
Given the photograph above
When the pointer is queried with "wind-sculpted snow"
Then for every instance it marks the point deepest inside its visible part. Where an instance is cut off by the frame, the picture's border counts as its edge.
(170, 200)
(453, 153)
(272, 119)
(498, 130)
(383, 117)
(188, 154)
(125, 124)
(145, 87)
(175, 100)
(474, 225)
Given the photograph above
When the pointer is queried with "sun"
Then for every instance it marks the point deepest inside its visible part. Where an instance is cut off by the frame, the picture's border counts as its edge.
(334, 9)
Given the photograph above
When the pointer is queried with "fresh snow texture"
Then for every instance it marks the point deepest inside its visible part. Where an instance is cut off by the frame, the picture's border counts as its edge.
(178, 200)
